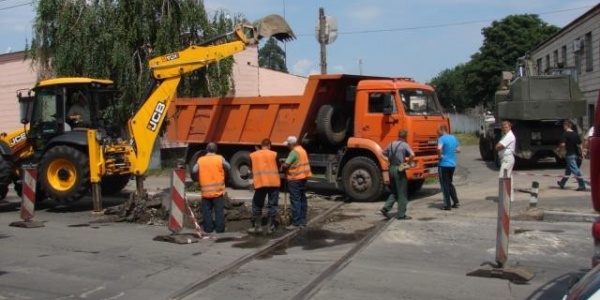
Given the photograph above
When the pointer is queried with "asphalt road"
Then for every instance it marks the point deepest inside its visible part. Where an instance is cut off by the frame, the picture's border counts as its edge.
(424, 258)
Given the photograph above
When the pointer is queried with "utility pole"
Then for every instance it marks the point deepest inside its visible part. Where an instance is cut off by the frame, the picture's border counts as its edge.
(323, 40)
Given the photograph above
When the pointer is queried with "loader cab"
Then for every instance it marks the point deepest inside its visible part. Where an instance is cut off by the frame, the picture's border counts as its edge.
(66, 107)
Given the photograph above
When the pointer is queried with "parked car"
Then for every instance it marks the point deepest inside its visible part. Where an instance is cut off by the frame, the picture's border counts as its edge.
(587, 288)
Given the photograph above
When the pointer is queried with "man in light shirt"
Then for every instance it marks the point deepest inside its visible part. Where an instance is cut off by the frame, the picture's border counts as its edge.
(506, 150)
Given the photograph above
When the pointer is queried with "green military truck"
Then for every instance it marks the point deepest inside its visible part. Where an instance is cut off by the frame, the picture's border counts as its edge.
(536, 105)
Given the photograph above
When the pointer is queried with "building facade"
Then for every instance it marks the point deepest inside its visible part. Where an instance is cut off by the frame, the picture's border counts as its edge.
(576, 45)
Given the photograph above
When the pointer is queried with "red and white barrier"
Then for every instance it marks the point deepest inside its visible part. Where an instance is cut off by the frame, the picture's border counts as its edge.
(179, 204)
(177, 200)
(28, 197)
(503, 228)
(28, 193)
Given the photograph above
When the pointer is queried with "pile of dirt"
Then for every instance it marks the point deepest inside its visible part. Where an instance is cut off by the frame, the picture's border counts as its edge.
(150, 210)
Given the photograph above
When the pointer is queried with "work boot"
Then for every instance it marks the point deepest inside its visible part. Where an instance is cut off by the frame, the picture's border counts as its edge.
(256, 226)
(271, 225)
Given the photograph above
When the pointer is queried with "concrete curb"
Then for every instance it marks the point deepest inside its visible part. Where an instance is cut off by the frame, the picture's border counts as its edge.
(559, 216)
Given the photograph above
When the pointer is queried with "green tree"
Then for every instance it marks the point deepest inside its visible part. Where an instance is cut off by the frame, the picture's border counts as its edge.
(449, 85)
(271, 56)
(504, 42)
(115, 39)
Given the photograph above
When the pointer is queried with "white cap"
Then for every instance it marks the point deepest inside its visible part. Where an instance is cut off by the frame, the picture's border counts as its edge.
(291, 140)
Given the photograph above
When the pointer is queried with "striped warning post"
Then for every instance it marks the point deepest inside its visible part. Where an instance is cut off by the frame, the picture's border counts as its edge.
(28, 195)
(179, 204)
(504, 194)
(177, 200)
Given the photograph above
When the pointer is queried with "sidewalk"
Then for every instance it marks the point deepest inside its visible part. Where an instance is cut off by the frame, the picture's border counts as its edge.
(553, 204)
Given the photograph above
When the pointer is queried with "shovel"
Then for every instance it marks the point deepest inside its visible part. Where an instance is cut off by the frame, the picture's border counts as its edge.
(285, 214)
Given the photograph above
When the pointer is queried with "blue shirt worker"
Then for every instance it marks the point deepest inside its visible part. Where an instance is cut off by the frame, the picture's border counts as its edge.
(298, 172)
(398, 153)
(211, 170)
(266, 183)
(448, 146)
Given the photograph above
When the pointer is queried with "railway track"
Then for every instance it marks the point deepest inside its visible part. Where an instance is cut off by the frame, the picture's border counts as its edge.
(265, 273)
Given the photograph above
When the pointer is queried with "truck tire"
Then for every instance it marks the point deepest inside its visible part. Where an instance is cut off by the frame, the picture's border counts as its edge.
(362, 180)
(193, 161)
(240, 173)
(485, 149)
(64, 174)
(415, 186)
(5, 176)
(113, 184)
(332, 124)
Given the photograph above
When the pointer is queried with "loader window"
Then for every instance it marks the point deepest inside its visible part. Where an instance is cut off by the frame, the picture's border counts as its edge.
(46, 111)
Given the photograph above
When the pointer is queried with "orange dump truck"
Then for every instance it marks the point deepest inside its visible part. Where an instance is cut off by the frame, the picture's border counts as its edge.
(343, 122)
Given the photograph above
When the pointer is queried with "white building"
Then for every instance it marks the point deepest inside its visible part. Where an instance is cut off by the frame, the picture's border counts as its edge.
(578, 45)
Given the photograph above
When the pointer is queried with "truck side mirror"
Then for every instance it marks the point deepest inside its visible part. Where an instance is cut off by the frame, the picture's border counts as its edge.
(388, 104)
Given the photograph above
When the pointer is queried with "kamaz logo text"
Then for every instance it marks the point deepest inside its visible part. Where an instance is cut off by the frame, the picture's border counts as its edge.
(159, 110)
(17, 139)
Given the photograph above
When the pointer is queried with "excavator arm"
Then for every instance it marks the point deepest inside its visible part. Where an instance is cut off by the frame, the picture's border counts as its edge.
(167, 70)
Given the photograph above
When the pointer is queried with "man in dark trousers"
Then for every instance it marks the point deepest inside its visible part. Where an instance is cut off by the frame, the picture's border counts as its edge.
(398, 153)
(448, 146)
(570, 143)
(298, 172)
(211, 170)
(266, 183)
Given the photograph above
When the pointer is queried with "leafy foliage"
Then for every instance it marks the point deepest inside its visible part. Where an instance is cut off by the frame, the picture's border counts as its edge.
(504, 42)
(115, 39)
(271, 56)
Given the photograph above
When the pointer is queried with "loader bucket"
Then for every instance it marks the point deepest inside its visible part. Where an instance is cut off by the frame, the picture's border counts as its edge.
(274, 26)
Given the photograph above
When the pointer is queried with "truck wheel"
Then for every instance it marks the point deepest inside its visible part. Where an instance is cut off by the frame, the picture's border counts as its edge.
(5, 176)
(240, 173)
(332, 124)
(415, 185)
(64, 174)
(362, 180)
(485, 150)
(192, 162)
(113, 184)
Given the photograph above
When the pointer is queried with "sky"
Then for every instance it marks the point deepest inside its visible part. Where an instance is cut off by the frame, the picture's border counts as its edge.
(408, 38)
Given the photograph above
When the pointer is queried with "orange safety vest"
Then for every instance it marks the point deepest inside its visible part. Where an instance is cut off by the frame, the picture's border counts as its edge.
(300, 170)
(212, 176)
(264, 169)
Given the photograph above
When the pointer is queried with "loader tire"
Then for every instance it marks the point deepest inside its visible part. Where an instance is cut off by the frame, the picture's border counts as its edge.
(362, 180)
(240, 174)
(332, 124)
(5, 176)
(113, 184)
(64, 174)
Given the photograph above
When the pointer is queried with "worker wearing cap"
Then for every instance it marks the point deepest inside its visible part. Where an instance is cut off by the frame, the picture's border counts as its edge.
(211, 170)
(297, 170)
(266, 183)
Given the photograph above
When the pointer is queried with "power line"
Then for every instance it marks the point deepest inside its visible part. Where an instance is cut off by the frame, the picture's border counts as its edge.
(15, 6)
(439, 25)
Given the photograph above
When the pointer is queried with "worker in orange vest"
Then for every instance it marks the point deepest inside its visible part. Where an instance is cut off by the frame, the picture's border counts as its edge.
(266, 183)
(297, 170)
(211, 170)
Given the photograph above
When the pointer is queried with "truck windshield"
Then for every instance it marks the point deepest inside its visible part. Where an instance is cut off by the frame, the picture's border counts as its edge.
(419, 102)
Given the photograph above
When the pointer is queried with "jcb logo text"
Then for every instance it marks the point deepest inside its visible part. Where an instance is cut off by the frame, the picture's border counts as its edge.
(159, 110)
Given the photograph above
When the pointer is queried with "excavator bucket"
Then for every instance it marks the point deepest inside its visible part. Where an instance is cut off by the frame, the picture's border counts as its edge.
(274, 26)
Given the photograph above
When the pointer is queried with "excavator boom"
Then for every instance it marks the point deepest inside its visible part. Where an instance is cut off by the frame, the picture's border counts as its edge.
(167, 71)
